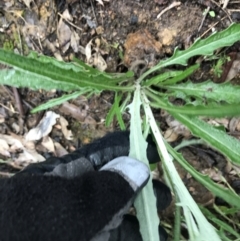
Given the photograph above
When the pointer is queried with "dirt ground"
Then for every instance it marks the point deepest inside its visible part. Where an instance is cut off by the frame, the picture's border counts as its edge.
(111, 36)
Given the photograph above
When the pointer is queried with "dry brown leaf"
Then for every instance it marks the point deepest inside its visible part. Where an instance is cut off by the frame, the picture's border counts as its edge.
(75, 41)
(13, 142)
(4, 147)
(64, 32)
(177, 127)
(27, 2)
(47, 142)
(100, 2)
(99, 62)
(170, 135)
(88, 51)
(67, 133)
(29, 156)
(60, 150)
(44, 127)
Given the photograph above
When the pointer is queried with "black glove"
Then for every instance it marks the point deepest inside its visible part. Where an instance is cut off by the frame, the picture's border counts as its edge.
(68, 204)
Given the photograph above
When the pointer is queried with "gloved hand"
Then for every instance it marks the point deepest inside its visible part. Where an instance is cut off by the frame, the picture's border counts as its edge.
(66, 199)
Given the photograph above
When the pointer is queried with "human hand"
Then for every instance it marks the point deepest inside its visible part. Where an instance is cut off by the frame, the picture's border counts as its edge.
(71, 201)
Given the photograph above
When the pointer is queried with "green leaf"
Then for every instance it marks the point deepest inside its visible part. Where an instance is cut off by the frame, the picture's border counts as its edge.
(59, 101)
(162, 77)
(218, 222)
(198, 227)
(145, 203)
(207, 91)
(217, 190)
(225, 144)
(44, 72)
(201, 47)
(181, 76)
(211, 110)
(115, 110)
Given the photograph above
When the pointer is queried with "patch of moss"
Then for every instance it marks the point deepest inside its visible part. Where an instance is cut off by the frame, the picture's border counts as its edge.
(8, 45)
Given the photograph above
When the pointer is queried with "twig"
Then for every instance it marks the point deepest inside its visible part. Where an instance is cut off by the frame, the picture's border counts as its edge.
(222, 9)
(225, 4)
(18, 101)
(72, 24)
(174, 4)
(212, 26)
(204, 17)
(94, 12)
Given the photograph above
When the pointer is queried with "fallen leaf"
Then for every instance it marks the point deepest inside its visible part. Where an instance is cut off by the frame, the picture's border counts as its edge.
(44, 127)
(64, 32)
(4, 147)
(67, 133)
(100, 2)
(47, 142)
(88, 51)
(27, 2)
(99, 62)
(60, 150)
(29, 156)
(75, 41)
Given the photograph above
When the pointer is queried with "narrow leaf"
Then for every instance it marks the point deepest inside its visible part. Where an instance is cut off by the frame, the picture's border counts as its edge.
(181, 76)
(201, 47)
(198, 226)
(145, 203)
(58, 101)
(162, 77)
(115, 110)
(207, 91)
(211, 110)
(225, 144)
(220, 223)
(216, 189)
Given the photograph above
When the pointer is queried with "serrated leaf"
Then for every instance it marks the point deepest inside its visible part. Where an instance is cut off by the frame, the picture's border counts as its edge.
(24, 79)
(206, 46)
(201, 47)
(145, 203)
(59, 101)
(211, 110)
(225, 144)
(225, 194)
(207, 91)
(55, 74)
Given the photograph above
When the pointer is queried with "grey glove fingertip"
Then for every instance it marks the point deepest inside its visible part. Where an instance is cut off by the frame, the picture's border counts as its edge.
(135, 172)
(72, 169)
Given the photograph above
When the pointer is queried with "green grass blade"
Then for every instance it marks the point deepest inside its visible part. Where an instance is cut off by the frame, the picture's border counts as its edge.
(216, 189)
(59, 101)
(145, 203)
(201, 47)
(225, 144)
(116, 111)
(218, 222)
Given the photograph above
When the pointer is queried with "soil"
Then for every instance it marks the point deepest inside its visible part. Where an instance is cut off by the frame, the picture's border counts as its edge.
(121, 32)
